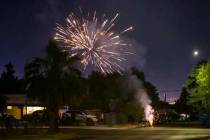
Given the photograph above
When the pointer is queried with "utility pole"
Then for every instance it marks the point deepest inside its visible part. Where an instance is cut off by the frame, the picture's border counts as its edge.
(164, 97)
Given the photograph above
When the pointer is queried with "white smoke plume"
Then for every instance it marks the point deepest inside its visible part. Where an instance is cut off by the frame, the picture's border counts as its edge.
(142, 98)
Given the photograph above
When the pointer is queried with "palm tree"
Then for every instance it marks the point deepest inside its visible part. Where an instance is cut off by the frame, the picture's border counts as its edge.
(46, 79)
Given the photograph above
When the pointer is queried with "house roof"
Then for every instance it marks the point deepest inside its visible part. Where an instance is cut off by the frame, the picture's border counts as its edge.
(20, 99)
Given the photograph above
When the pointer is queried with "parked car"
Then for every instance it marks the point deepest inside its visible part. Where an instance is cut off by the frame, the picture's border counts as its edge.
(8, 121)
(78, 117)
(204, 119)
(39, 117)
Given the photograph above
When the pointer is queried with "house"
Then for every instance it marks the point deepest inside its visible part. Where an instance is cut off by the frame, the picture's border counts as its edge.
(19, 105)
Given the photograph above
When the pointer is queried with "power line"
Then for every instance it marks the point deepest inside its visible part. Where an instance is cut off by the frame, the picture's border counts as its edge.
(169, 91)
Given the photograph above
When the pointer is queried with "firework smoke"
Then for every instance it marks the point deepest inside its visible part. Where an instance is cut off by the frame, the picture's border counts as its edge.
(145, 102)
(93, 41)
(136, 86)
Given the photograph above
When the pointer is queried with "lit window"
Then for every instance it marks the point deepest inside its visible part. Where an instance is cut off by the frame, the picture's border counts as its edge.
(9, 107)
(31, 109)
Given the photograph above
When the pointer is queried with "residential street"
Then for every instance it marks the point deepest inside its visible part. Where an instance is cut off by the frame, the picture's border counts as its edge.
(160, 133)
(104, 133)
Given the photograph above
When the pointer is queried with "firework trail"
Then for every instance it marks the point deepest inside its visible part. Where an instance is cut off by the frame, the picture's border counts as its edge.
(93, 42)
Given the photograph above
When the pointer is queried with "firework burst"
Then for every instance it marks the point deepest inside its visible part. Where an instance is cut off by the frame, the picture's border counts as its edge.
(93, 42)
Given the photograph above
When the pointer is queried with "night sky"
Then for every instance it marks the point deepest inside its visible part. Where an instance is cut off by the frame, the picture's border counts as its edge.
(167, 31)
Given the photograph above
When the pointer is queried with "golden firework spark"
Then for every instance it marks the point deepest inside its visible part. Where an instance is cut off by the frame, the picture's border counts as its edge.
(94, 42)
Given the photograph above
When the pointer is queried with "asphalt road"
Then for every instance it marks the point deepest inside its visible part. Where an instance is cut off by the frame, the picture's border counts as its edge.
(107, 133)
(149, 133)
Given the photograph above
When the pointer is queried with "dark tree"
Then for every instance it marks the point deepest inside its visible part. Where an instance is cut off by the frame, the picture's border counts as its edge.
(52, 79)
(139, 74)
(3, 104)
(103, 91)
(113, 93)
(153, 94)
(149, 87)
(181, 105)
(9, 83)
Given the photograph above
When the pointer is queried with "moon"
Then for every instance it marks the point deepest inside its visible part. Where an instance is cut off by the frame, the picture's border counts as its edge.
(195, 53)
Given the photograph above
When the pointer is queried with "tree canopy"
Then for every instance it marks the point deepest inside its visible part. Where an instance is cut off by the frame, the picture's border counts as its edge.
(198, 85)
(3, 104)
(52, 79)
(181, 105)
(112, 93)
(9, 82)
